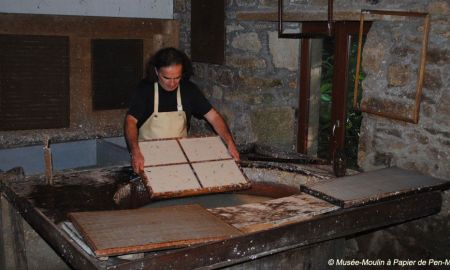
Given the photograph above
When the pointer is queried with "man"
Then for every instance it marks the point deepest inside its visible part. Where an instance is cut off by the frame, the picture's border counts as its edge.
(163, 108)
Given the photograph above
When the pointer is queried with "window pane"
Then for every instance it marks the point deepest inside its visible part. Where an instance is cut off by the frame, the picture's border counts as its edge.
(325, 127)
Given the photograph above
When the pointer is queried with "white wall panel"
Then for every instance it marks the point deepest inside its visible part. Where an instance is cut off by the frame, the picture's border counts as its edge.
(158, 9)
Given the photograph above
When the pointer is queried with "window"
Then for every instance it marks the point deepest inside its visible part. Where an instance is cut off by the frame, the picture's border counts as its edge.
(327, 122)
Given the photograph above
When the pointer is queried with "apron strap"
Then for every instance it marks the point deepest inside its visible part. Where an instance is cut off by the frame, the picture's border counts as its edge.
(179, 104)
(156, 98)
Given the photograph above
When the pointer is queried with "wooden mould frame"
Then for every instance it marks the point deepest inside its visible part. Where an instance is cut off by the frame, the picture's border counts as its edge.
(421, 73)
(196, 191)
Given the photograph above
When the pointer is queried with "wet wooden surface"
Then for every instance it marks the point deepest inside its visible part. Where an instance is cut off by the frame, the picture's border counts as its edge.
(45, 207)
(369, 187)
(273, 213)
(127, 231)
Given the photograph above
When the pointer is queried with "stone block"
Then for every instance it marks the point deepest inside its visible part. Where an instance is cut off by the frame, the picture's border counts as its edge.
(260, 83)
(268, 3)
(293, 84)
(274, 126)
(433, 80)
(246, 62)
(371, 60)
(438, 56)
(439, 7)
(443, 108)
(390, 131)
(246, 3)
(243, 95)
(284, 52)
(234, 27)
(398, 75)
(249, 42)
(217, 92)
(385, 105)
(224, 77)
(180, 5)
(384, 159)
(418, 138)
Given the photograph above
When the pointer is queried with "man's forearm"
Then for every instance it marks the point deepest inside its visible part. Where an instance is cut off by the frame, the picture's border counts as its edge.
(219, 125)
(131, 134)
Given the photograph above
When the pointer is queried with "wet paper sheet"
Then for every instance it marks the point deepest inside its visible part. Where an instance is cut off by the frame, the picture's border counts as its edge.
(273, 213)
(189, 166)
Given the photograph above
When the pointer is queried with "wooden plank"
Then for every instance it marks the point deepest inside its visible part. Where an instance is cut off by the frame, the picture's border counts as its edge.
(125, 231)
(273, 213)
(373, 186)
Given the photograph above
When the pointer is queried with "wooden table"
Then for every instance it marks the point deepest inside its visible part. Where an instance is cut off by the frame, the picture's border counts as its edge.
(44, 207)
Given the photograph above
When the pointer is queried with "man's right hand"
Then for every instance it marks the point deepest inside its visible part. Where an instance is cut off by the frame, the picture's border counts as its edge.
(137, 161)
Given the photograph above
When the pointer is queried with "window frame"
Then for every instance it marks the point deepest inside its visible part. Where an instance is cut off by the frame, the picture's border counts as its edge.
(342, 36)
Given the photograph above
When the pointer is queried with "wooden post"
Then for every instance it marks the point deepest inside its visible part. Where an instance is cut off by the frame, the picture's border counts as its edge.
(48, 162)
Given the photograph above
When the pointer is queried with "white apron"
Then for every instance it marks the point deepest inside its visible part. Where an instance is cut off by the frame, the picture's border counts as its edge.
(164, 124)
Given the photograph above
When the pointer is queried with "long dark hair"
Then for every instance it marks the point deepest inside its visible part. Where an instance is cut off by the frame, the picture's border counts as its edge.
(166, 57)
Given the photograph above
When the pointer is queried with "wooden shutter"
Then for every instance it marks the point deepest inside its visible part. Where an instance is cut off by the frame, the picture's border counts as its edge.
(117, 67)
(34, 82)
(208, 31)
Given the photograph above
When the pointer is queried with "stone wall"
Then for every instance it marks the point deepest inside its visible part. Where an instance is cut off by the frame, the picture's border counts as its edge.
(391, 55)
(257, 91)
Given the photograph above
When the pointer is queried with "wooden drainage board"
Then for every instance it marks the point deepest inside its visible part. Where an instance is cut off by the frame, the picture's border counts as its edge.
(368, 187)
(110, 233)
(181, 167)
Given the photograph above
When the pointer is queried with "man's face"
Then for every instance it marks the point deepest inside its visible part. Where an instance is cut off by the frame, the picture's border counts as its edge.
(169, 77)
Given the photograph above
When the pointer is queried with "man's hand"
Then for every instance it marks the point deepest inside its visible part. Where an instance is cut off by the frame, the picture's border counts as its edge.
(137, 162)
(234, 152)
(219, 125)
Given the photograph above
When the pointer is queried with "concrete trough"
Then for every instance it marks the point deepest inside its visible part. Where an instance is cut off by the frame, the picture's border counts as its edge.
(67, 155)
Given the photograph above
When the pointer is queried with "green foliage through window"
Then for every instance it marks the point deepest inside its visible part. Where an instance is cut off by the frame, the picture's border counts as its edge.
(353, 121)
